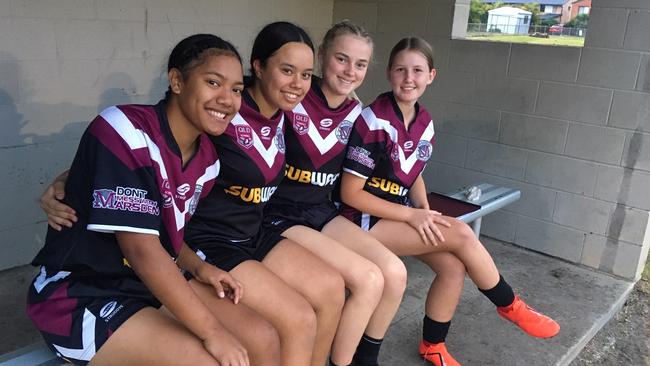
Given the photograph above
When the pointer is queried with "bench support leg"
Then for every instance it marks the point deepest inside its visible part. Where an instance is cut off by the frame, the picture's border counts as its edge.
(476, 226)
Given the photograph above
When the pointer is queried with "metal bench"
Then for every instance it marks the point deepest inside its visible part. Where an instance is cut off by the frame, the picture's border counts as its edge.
(491, 199)
(35, 355)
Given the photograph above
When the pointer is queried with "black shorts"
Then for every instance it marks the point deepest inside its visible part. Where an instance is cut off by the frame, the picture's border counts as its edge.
(228, 254)
(279, 217)
(76, 315)
(363, 220)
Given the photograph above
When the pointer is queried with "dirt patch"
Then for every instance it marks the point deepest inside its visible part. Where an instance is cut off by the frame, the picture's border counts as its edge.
(625, 340)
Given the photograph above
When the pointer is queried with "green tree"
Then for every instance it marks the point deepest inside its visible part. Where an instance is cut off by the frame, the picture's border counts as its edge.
(578, 22)
(478, 10)
(533, 8)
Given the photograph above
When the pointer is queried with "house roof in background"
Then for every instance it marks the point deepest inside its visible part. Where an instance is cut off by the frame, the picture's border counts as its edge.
(507, 10)
(541, 2)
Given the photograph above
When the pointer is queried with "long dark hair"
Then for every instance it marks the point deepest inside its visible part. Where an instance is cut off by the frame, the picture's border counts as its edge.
(192, 51)
(272, 37)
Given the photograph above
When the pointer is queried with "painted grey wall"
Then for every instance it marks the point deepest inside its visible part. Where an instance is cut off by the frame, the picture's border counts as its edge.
(61, 62)
(569, 127)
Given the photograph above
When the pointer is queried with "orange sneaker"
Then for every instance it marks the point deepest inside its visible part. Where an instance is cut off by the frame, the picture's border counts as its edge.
(437, 354)
(535, 324)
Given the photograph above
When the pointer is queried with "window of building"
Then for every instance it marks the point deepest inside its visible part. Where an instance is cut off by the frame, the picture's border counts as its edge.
(523, 21)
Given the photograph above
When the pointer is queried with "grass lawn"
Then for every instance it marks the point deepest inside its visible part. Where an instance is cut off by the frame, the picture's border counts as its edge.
(551, 41)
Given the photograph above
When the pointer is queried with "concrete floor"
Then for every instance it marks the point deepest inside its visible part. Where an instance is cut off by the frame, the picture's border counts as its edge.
(581, 300)
(16, 330)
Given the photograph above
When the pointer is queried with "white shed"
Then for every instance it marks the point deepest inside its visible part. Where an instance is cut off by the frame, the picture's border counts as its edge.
(509, 20)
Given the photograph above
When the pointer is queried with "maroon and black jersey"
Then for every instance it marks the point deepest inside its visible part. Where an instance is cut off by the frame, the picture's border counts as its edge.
(252, 165)
(316, 139)
(128, 176)
(387, 154)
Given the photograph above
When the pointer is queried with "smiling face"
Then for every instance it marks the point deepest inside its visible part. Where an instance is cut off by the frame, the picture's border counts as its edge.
(409, 76)
(284, 80)
(344, 63)
(209, 94)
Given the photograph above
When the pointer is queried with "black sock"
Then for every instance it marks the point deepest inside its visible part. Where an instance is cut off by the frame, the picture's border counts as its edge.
(501, 294)
(333, 364)
(367, 353)
(433, 331)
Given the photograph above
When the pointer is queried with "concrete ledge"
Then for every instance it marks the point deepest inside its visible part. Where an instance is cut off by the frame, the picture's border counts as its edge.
(581, 300)
(35, 355)
(574, 351)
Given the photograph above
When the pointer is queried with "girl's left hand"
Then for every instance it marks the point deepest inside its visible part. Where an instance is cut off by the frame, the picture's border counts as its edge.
(223, 283)
(437, 219)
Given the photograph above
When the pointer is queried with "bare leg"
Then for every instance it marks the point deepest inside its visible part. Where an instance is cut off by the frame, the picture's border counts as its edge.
(290, 314)
(392, 269)
(446, 288)
(168, 342)
(256, 334)
(362, 278)
(460, 240)
(317, 282)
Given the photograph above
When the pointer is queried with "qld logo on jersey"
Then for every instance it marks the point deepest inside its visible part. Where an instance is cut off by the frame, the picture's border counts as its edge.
(125, 199)
(168, 199)
(424, 150)
(167, 196)
(343, 132)
(394, 152)
(300, 123)
(244, 136)
(279, 140)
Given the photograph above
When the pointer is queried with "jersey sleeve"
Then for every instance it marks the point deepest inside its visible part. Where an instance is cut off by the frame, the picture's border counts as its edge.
(365, 147)
(124, 189)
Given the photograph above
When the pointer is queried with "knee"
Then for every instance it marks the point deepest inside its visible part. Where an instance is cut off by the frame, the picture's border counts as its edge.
(465, 237)
(395, 276)
(329, 291)
(467, 233)
(452, 269)
(367, 280)
(267, 344)
(301, 319)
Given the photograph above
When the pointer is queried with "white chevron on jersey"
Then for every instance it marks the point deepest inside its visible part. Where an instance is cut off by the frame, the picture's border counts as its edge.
(87, 350)
(137, 139)
(267, 154)
(42, 280)
(122, 125)
(375, 123)
(325, 144)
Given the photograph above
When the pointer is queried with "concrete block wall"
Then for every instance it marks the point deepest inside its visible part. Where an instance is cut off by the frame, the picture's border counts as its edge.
(61, 62)
(569, 127)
